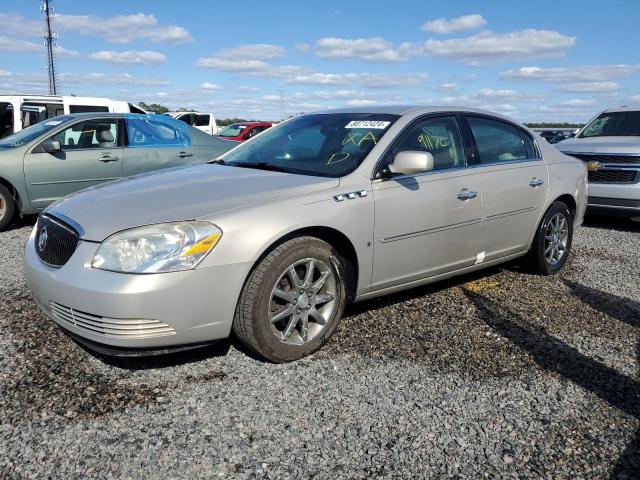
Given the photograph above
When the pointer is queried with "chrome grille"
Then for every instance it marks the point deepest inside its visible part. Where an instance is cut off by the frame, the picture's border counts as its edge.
(613, 176)
(617, 159)
(56, 241)
(110, 327)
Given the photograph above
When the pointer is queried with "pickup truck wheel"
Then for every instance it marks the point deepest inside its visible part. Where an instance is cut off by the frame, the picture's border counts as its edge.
(292, 301)
(7, 207)
(552, 243)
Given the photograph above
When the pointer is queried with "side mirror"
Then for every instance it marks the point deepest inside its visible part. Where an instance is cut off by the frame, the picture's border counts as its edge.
(410, 161)
(51, 146)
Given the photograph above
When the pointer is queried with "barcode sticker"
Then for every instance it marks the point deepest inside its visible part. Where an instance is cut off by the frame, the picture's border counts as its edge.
(375, 124)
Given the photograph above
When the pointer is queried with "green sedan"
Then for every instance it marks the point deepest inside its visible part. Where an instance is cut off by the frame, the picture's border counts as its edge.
(59, 156)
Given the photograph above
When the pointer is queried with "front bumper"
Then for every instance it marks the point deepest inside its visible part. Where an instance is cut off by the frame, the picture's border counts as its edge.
(135, 311)
(616, 199)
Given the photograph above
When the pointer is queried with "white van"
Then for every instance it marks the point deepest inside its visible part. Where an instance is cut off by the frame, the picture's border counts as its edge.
(202, 121)
(20, 111)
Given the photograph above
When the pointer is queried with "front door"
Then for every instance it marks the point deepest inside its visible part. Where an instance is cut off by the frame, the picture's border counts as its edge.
(514, 185)
(91, 154)
(427, 224)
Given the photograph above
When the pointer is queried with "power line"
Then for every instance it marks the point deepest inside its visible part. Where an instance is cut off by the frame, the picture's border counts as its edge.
(50, 41)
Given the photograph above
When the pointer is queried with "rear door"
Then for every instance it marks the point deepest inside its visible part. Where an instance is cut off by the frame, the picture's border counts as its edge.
(155, 143)
(91, 154)
(514, 182)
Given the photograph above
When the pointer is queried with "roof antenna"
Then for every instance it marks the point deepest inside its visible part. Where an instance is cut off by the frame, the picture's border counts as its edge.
(50, 41)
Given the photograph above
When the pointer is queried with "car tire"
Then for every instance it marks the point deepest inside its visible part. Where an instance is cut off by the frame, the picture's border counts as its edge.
(284, 318)
(552, 244)
(7, 207)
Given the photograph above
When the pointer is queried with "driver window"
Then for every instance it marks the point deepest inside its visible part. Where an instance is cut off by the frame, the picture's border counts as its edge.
(440, 136)
(101, 133)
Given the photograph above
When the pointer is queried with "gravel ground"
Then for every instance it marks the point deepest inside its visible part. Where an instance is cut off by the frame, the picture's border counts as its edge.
(499, 374)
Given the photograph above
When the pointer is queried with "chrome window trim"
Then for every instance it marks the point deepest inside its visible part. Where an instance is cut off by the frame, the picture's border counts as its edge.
(469, 168)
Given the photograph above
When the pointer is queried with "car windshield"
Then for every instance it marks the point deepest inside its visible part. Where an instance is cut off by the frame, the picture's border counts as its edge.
(326, 145)
(613, 124)
(232, 130)
(31, 133)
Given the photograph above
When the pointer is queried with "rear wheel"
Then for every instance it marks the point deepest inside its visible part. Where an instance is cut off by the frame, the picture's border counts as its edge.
(552, 243)
(292, 302)
(7, 207)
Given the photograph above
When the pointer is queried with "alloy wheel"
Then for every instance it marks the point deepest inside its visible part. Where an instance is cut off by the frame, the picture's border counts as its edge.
(303, 301)
(556, 238)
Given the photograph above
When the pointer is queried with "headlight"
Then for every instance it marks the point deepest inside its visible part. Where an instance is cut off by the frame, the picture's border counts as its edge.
(166, 247)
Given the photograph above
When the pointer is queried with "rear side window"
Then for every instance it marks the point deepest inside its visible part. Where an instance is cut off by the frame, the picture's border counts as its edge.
(498, 141)
(157, 131)
(202, 121)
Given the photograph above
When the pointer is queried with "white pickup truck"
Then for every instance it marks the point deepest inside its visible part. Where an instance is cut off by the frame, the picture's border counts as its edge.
(202, 121)
(21, 111)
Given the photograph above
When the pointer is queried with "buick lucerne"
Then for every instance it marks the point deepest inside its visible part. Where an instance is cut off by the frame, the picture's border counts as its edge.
(274, 238)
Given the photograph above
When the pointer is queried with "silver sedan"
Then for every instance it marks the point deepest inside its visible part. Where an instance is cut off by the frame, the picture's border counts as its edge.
(273, 239)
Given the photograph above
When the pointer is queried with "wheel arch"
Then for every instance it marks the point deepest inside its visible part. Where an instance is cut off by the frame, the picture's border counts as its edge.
(333, 237)
(569, 201)
(14, 192)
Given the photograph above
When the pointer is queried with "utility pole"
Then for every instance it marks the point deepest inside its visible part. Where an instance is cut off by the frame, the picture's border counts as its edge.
(50, 41)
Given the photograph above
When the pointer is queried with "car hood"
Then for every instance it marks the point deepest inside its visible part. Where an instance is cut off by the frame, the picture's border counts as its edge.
(600, 145)
(178, 194)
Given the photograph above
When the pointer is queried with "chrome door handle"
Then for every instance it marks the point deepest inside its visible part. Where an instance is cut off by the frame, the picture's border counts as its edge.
(467, 195)
(107, 159)
(536, 182)
(184, 154)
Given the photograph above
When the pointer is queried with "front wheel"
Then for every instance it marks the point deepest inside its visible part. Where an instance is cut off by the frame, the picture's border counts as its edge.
(7, 207)
(552, 243)
(292, 301)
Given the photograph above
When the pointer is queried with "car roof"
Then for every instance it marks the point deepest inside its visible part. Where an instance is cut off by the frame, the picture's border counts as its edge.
(625, 108)
(414, 109)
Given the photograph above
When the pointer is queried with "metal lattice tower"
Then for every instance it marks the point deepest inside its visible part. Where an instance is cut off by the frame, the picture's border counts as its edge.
(50, 41)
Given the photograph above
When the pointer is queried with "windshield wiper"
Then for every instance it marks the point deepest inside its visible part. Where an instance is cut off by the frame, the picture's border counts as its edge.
(217, 161)
(262, 166)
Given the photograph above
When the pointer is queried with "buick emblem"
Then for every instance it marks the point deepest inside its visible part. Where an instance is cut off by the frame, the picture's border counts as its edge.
(42, 241)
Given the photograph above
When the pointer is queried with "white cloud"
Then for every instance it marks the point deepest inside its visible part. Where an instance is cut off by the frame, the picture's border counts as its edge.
(585, 73)
(579, 102)
(589, 87)
(452, 25)
(14, 23)
(247, 89)
(231, 65)
(123, 28)
(116, 29)
(65, 53)
(210, 86)
(375, 49)
(112, 78)
(372, 80)
(447, 87)
(490, 46)
(19, 46)
(361, 102)
(129, 57)
(302, 47)
(259, 51)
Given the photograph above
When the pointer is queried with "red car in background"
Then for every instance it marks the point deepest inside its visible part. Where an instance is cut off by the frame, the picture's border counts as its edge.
(243, 131)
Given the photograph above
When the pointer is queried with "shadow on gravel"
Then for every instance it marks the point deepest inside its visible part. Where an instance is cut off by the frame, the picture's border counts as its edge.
(18, 223)
(552, 354)
(218, 349)
(605, 222)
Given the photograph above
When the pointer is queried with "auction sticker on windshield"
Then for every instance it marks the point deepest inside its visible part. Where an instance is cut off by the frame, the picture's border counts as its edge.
(378, 124)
